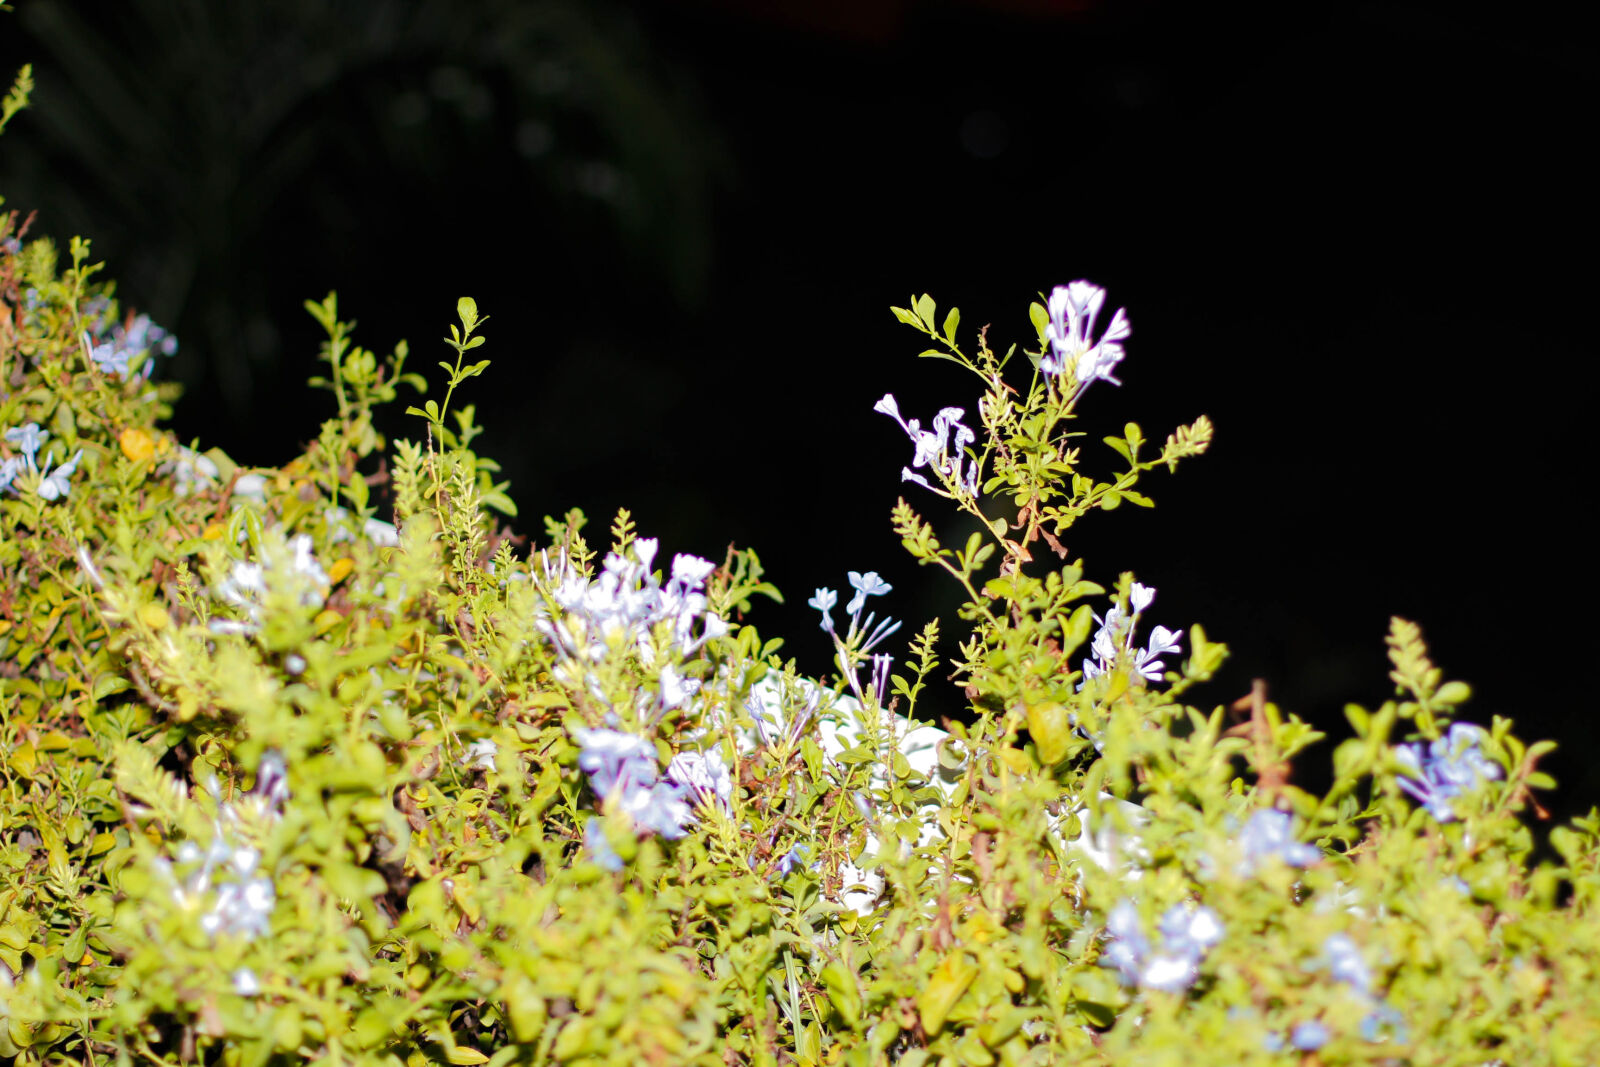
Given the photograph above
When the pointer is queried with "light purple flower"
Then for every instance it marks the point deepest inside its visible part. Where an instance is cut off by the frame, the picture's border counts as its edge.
(613, 759)
(662, 809)
(1187, 934)
(9, 469)
(705, 775)
(110, 357)
(1269, 834)
(1343, 960)
(880, 676)
(1309, 1036)
(1382, 1023)
(272, 780)
(29, 438)
(823, 601)
(1452, 766)
(600, 850)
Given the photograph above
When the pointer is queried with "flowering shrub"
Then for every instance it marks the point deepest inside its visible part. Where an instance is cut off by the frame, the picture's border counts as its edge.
(285, 778)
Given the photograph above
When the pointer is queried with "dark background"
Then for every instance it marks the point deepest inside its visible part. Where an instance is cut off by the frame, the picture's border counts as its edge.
(1357, 236)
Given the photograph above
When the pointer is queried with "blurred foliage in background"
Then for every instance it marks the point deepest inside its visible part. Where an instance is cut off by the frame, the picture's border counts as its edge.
(228, 157)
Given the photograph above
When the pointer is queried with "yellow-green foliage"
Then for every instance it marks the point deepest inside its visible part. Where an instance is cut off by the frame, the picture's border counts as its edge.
(282, 781)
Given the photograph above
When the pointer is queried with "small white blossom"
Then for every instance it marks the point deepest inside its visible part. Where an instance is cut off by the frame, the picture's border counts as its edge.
(29, 438)
(1141, 596)
(54, 485)
(1073, 309)
(480, 755)
(865, 585)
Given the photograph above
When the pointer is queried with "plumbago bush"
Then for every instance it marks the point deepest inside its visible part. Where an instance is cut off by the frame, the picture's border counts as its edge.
(322, 762)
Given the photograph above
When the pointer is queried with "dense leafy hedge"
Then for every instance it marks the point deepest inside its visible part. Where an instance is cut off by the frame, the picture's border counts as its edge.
(283, 779)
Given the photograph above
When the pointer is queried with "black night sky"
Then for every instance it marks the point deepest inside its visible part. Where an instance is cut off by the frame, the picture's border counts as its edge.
(1359, 237)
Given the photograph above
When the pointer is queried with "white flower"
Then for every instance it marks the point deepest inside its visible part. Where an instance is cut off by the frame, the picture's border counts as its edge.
(1141, 596)
(1162, 641)
(245, 982)
(192, 471)
(823, 601)
(480, 755)
(933, 447)
(54, 484)
(251, 487)
(381, 533)
(865, 585)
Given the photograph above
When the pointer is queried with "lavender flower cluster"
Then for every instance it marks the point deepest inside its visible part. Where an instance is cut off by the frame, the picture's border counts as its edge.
(1073, 309)
(1187, 934)
(863, 635)
(283, 565)
(1114, 639)
(221, 883)
(934, 449)
(116, 355)
(624, 773)
(52, 484)
(627, 605)
(1450, 768)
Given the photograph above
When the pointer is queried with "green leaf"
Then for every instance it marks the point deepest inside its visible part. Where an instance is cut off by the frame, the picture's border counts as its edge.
(951, 321)
(1121, 447)
(467, 312)
(1051, 731)
(1040, 319)
(949, 981)
(843, 992)
(926, 309)
(907, 317)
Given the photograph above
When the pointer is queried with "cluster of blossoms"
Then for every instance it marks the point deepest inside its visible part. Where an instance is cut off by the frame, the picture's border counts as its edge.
(1187, 934)
(1115, 639)
(627, 605)
(855, 645)
(285, 567)
(624, 773)
(116, 355)
(1450, 767)
(1073, 309)
(53, 484)
(221, 882)
(1342, 959)
(935, 449)
(1269, 834)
